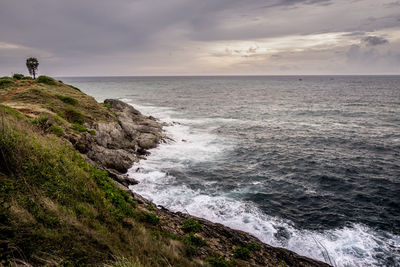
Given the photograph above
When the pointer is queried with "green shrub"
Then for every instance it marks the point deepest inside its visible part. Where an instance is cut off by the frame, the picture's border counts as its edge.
(149, 218)
(58, 120)
(194, 240)
(6, 82)
(68, 100)
(241, 253)
(46, 80)
(80, 128)
(56, 130)
(120, 199)
(167, 234)
(254, 246)
(219, 261)
(192, 226)
(27, 78)
(107, 105)
(18, 76)
(92, 132)
(74, 116)
(192, 243)
(40, 121)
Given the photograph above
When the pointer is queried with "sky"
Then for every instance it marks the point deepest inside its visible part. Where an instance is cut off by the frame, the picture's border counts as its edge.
(200, 37)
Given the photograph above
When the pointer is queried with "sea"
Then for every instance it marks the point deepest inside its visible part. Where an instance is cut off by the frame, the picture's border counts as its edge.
(307, 163)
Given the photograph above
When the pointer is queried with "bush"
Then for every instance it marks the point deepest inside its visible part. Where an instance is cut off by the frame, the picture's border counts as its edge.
(241, 253)
(218, 261)
(80, 128)
(157, 234)
(18, 76)
(192, 226)
(73, 116)
(92, 132)
(192, 242)
(68, 100)
(41, 121)
(56, 130)
(254, 246)
(6, 82)
(149, 218)
(124, 206)
(107, 105)
(46, 80)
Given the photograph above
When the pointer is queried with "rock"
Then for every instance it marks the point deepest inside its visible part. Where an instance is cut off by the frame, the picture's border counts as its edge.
(148, 140)
(117, 145)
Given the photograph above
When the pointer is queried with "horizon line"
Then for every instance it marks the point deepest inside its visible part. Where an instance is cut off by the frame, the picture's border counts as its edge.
(227, 75)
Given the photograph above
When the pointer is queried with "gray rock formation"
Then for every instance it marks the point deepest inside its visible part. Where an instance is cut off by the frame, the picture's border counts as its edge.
(117, 145)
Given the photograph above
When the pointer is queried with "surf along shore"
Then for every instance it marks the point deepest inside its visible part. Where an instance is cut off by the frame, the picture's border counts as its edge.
(65, 196)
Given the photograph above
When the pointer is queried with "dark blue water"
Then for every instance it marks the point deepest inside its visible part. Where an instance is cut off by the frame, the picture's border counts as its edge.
(306, 163)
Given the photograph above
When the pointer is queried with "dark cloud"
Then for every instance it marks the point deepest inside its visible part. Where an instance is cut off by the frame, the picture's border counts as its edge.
(374, 40)
(392, 4)
(75, 36)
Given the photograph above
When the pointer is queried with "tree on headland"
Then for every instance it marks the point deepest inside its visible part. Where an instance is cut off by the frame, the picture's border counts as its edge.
(32, 64)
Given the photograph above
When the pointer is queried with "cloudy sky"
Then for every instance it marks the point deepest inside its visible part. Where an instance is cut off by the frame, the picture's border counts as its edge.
(201, 37)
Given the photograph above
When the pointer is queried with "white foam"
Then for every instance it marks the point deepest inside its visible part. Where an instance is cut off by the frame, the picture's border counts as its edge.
(357, 245)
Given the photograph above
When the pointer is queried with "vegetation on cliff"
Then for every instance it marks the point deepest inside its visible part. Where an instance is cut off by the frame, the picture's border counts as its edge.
(55, 208)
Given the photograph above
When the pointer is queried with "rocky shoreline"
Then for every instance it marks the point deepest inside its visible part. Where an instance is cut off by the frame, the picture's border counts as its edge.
(117, 146)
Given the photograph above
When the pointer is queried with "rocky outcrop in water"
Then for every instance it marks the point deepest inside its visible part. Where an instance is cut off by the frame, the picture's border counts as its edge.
(116, 146)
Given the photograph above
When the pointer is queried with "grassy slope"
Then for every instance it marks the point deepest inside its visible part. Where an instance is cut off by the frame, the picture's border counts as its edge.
(54, 207)
(53, 104)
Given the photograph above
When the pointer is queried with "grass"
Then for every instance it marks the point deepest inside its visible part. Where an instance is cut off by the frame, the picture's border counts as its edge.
(56, 209)
(192, 243)
(149, 217)
(80, 128)
(52, 97)
(18, 76)
(46, 80)
(56, 130)
(253, 246)
(241, 253)
(192, 226)
(74, 116)
(68, 100)
(107, 105)
(6, 82)
(40, 121)
(219, 261)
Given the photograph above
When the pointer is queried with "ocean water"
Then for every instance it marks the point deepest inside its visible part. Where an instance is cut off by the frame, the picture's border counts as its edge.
(308, 163)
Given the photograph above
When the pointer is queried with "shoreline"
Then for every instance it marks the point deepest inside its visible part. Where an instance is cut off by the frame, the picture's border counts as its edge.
(222, 239)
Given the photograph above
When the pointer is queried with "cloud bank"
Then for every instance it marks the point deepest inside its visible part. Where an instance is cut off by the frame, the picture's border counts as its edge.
(190, 37)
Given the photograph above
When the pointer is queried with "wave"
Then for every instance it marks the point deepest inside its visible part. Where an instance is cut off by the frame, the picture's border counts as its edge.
(354, 245)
